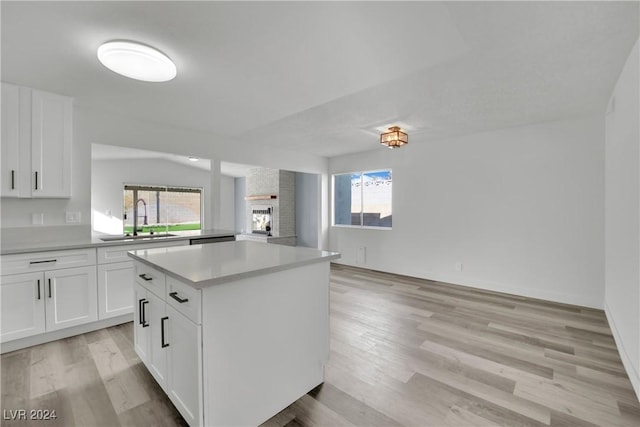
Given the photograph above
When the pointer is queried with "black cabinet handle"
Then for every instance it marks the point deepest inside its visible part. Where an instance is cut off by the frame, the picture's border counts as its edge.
(175, 296)
(144, 314)
(144, 277)
(38, 288)
(36, 180)
(13, 180)
(42, 262)
(162, 332)
(140, 319)
(49, 288)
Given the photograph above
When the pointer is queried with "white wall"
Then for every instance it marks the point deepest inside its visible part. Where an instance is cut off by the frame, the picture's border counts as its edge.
(241, 205)
(521, 208)
(109, 176)
(227, 203)
(622, 242)
(90, 126)
(307, 209)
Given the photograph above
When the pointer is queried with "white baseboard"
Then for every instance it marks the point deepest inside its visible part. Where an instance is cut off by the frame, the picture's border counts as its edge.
(579, 300)
(63, 333)
(632, 370)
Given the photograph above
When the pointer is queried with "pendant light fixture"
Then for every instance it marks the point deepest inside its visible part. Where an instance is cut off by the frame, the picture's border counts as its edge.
(136, 61)
(394, 138)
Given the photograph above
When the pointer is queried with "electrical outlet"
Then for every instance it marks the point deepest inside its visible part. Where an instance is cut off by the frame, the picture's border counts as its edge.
(37, 218)
(459, 266)
(361, 256)
(73, 217)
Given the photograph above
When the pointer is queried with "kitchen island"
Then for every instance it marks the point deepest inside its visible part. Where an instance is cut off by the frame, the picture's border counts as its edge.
(233, 332)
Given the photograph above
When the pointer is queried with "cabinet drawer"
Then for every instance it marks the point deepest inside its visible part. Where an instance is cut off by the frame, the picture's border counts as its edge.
(118, 253)
(52, 260)
(184, 298)
(150, 278)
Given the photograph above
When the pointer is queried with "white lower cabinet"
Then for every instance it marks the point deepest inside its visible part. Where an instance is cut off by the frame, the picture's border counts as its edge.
(116, 277)
(33, 303)
(140, 324)
(170, 345)
(150, 333)
(71, 297)
(49, 291)
(115, 291)
(22, 304)
(157, 362)
(184, 340)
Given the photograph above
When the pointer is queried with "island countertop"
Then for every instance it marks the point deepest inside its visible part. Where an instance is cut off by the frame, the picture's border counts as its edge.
(205, 265)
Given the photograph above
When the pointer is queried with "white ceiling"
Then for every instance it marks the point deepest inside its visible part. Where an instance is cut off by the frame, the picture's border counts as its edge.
(320, 77)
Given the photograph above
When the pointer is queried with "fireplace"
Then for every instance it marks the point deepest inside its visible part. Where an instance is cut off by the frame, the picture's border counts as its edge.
(261, 219)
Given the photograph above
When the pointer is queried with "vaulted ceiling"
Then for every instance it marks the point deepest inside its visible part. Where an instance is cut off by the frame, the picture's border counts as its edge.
(322, 77)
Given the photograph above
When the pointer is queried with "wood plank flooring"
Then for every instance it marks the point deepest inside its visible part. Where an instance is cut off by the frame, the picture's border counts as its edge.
(404, 352)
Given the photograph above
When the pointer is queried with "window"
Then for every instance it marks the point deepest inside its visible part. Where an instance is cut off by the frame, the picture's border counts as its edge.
(159, 209)
(363, 199)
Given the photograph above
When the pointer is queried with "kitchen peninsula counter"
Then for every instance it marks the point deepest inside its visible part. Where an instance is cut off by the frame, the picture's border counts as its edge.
(56, 238)
(232, 332)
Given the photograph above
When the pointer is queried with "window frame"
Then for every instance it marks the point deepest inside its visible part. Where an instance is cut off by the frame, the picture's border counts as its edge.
(173, 188)
(333, 201)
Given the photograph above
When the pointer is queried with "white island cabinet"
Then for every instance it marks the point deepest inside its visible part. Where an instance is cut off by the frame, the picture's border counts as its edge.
(233, 332)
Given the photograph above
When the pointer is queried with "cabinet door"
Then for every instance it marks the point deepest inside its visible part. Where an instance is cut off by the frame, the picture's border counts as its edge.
(71, 297)
(157, 363)
(141, 324)
(50, 145)
(22, 313)
(115, 289)
(185, 366)
(10, 140)
(16, 141)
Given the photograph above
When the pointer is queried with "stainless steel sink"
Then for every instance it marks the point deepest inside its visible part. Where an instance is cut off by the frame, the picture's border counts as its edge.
(139, 237)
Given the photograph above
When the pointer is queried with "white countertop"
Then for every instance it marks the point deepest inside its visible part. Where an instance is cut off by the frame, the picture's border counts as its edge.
(206, 265)
(38, 239)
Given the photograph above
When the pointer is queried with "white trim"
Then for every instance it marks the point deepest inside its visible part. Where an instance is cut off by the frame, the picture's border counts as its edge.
(362, 227)
(632, 373)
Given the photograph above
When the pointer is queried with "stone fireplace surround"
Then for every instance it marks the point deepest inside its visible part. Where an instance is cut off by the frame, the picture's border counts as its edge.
(282, 184)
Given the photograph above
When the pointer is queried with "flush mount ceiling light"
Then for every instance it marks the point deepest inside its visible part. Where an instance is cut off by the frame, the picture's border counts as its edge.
(394, 138)
(136, 61)
(193, 159)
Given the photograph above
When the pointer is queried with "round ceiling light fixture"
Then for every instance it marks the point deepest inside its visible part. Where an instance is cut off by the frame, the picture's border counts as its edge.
(136, 61)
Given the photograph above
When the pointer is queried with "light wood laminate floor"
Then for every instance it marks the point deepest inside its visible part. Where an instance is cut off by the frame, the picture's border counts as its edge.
(404, 351)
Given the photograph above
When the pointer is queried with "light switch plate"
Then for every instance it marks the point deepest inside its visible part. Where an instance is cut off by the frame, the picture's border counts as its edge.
(73, 217)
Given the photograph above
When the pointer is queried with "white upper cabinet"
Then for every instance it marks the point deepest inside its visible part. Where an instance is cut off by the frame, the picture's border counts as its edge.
(36, 143)
(16, 141)
(50, 144)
